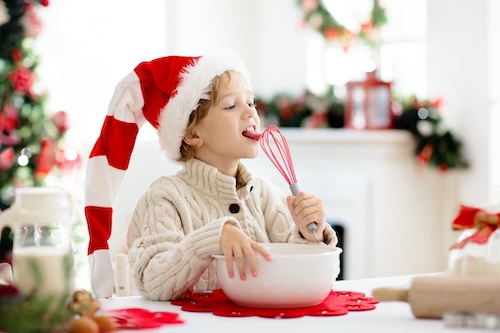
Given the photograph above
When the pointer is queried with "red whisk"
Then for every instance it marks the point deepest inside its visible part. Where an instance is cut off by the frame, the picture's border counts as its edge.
(282, 160)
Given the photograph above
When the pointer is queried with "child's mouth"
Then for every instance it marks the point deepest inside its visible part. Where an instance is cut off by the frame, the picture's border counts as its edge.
(251, 133)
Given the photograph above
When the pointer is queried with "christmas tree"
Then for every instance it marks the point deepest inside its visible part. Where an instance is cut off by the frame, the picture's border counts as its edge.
(30, 138)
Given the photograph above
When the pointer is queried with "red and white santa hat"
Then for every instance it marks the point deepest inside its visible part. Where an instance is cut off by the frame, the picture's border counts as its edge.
(164, 92)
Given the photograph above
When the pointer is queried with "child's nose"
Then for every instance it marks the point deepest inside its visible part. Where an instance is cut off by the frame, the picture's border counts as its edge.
(249, 112)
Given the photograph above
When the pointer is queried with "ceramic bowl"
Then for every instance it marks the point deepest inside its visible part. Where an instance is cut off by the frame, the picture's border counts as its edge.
(299, 275)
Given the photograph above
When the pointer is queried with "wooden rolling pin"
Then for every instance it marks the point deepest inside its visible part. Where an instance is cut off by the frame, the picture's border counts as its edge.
(433, 296)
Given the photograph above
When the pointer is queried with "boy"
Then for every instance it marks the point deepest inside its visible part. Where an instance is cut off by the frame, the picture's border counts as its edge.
(213, 205)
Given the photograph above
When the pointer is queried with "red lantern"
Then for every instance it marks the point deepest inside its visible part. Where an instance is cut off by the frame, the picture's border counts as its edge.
(368, 104)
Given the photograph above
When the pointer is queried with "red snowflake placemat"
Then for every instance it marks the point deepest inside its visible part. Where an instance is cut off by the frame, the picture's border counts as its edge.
(134, 318)
(336, 303)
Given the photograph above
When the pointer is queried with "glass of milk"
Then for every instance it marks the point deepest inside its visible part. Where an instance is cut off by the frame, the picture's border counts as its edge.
(42, 260)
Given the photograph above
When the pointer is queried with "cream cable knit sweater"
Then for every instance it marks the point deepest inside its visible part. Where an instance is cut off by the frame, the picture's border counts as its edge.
(177, 225)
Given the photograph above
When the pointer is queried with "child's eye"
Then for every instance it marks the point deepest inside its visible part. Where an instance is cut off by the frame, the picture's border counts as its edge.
(230, 107)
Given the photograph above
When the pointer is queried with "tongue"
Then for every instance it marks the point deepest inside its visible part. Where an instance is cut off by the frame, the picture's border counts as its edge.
(254, 135)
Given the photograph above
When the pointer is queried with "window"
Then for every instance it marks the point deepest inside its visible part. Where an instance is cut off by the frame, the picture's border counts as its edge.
(399, 57)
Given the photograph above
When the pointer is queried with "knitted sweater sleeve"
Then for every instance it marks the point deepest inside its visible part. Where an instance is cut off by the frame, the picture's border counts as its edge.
(167, 253)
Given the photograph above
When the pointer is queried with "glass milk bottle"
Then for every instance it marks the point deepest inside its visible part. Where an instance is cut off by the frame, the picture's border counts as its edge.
(42, 259)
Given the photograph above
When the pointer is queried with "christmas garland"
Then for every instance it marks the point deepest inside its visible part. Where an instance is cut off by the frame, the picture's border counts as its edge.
(435, 145)
(318, 17)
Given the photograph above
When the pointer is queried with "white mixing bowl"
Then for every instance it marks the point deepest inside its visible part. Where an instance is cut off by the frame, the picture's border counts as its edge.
(299, 275)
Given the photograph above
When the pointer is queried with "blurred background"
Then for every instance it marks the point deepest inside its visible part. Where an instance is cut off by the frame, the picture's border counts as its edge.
(312, 64)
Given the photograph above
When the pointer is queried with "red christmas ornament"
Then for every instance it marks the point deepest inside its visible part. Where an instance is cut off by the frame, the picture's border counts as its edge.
(9, 119)
(7, 159)
(367, 26)
(31, 22)
(46, 159)
(22, 80)
(309, 5)
(443, 167)
(67, 162)
(9, 138)
(425, 155)
(16, 54)
(61, 121)
(331, 34)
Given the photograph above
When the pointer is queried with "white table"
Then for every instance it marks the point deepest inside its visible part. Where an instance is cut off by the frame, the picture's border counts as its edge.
(387, 317)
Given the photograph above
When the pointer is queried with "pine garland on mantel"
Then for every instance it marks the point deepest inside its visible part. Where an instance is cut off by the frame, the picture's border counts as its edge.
(435, 145)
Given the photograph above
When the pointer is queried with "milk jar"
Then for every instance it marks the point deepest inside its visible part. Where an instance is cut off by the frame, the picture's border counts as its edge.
(42, 260)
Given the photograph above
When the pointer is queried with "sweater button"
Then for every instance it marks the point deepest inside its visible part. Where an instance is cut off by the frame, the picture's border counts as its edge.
(234, 208)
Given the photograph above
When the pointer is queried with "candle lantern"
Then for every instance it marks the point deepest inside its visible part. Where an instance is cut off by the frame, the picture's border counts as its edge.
(368, 104)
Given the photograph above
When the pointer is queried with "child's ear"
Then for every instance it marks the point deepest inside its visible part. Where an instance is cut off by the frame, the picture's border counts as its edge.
(192, 139)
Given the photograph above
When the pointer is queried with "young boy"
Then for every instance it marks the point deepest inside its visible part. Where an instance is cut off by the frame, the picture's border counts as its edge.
(214, 204)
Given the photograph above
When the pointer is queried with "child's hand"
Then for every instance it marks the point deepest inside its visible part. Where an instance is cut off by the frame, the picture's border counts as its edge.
(305, 209)
(236, 244)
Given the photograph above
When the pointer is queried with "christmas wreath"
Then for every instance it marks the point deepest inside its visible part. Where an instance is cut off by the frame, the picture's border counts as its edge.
(318, 17)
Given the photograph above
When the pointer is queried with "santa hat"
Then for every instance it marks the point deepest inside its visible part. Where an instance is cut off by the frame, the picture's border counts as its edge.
(163, 92)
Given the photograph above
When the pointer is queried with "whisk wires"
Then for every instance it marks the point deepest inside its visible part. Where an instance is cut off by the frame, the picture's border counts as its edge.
(280, 156)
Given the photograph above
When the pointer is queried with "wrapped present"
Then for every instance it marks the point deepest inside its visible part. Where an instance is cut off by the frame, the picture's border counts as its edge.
(477, 250)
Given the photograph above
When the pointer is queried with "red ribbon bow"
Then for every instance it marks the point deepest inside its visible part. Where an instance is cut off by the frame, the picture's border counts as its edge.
(470, 217)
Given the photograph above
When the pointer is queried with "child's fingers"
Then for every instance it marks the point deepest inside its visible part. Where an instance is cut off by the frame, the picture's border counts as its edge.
(258, 248)
(252, 264)
(310, 214)
(290, 200)
(239, 257)
(229, 264)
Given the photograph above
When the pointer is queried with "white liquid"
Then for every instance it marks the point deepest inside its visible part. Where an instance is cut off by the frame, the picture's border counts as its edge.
(54, 279)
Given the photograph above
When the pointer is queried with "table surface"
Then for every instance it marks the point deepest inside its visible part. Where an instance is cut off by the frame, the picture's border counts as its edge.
(388, 316)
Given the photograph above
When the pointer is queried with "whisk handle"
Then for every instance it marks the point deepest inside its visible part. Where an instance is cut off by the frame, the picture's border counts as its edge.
(295, 188)
(311, 227)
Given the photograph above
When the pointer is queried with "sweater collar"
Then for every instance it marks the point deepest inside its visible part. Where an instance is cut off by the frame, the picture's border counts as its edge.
(207, 179)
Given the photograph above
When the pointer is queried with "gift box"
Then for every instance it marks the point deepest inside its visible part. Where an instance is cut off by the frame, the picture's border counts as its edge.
(477, 250)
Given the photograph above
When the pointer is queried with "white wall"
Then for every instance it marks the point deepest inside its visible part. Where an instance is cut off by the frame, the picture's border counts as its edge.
(463, 68)
(494, 92)
(268, 35)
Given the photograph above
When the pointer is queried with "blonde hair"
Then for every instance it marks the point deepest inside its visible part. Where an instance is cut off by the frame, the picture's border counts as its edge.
(187, 151)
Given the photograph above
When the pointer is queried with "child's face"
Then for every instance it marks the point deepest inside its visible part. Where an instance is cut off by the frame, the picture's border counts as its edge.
(221, 139)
